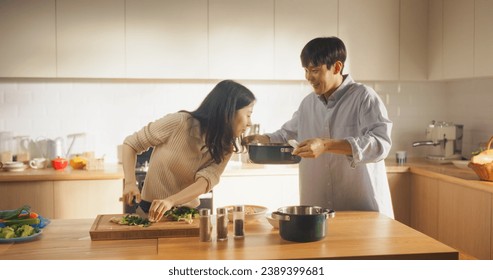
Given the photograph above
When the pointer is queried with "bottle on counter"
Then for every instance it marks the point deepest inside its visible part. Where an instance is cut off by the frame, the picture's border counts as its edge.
(221, 224)
(205, 225)
(239, 221)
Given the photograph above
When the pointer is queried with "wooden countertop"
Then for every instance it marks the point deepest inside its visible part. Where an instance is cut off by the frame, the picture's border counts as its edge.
(351, 235)
(111, 171)
(446, 172)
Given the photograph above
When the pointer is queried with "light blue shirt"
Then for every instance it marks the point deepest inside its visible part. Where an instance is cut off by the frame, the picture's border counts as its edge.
(356, 113)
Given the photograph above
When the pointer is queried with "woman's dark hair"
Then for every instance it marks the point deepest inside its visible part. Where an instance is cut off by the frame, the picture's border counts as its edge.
(323, 50)
(216, 115)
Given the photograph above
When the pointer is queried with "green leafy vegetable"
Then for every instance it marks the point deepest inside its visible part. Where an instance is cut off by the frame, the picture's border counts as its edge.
(182, 213)
(132, 220)
(10, 214)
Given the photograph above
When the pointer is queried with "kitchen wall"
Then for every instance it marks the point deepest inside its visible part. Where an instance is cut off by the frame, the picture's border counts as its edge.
(108, 110)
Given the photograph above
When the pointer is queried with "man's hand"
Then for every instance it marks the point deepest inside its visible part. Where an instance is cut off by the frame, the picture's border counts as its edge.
(310, 148)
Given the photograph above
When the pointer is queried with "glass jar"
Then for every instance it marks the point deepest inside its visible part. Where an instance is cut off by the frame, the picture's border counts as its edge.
(221, 224)
(239, 221)
(205, 225)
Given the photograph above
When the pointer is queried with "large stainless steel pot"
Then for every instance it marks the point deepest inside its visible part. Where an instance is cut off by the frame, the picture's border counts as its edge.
(302, 223)
(272, 153)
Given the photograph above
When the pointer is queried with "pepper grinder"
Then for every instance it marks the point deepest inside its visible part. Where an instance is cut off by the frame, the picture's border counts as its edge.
(221, 224)
(239, 221)
(205, 225)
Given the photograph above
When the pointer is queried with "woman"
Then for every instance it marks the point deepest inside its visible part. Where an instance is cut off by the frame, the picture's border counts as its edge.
(191, 150)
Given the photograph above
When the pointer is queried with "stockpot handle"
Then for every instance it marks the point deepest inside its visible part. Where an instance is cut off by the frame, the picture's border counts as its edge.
(280, 217)
(329, 213)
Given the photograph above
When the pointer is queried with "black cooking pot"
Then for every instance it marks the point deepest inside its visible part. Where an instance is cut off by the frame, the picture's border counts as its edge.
(272, 153)
(302, 223)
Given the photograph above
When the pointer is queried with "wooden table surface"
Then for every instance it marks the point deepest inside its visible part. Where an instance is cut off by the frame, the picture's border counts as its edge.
(351, 235)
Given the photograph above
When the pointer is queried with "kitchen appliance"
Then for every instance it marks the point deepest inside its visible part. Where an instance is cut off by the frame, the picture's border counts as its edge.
(272, 153)
(51, 148)
(141, 168)
(303, 223)
(444, 140)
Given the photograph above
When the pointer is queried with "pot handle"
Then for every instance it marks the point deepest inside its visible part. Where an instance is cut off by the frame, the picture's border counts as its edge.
(278, 216)
(329, 213)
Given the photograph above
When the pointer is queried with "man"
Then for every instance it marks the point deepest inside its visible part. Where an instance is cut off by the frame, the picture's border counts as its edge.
(344, 135)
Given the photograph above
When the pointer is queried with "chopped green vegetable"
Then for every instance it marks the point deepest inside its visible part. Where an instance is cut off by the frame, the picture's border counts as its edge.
(17, 230)
(7, 233)
(182, 213)
(132, 220)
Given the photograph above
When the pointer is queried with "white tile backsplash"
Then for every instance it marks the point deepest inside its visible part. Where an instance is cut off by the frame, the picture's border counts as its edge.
(109, 110)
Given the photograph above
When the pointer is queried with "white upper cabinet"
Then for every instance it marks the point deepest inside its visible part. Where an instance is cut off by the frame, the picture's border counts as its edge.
(458, 39)
(28, 41)
(483, 38)
(370, 30)
(91, 38)
(413, 40)
(166, 39)
(241, 39)
(296, 23)
(435, 40)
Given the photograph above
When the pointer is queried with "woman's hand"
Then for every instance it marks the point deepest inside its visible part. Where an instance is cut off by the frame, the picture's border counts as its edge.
(129, 192)
(158, 208)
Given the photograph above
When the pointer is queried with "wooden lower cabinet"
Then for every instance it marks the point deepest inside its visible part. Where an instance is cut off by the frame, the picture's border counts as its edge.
(87, 199)
(400, 191)
(464, 219)
(64, 199)
(456, 215)
(38, 195)
(424, 205)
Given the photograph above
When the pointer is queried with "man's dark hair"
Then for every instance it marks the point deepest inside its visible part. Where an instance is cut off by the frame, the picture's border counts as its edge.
(323, 50)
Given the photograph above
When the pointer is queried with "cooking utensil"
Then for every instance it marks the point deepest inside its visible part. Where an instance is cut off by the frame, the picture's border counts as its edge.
(59, 163)
(302, 223)
(272, 153)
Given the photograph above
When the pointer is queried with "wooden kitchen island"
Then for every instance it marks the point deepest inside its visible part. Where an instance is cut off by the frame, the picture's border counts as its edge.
(351, 235)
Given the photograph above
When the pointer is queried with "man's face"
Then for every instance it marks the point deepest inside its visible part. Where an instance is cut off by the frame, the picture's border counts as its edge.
(322, 79)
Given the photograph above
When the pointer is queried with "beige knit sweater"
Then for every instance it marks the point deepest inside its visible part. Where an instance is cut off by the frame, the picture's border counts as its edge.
(178, 158)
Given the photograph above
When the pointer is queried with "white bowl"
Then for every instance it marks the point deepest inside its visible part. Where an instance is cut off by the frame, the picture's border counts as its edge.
(461, 164)
(273, 222)
(252, 212)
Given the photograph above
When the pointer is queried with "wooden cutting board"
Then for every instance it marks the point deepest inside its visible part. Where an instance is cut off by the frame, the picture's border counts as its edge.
(104, 229)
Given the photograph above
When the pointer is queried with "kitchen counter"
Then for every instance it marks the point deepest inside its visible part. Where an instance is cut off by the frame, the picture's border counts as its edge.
(110, 172)
(443, 171)
(351, 235)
